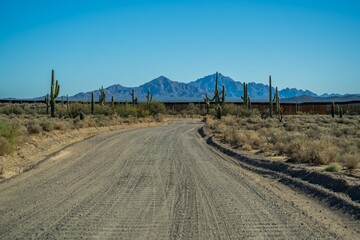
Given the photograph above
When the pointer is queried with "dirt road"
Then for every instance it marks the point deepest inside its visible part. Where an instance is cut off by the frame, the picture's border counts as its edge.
(157, 183)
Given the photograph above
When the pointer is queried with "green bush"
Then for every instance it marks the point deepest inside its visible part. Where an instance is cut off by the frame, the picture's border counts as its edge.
(8, 135)
(12, 109)
(192, 109)
(156, 108)
(334, 167)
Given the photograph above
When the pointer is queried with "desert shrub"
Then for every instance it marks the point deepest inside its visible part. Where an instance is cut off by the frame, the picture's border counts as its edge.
(12, 109)
(232, 109)
(106, 110)
(47, 125)
(159, 117)
(34, 127)
(351, 160)
(333, 167)
(156, 108)
(59, 125)
(312, 139)
(77, 109)
(8, 135)
(5, 146)
(142, 110)
(192, 109)
(316, 151)
(127, 110)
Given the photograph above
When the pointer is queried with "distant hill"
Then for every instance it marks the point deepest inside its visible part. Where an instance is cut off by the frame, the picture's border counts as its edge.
(164, 89)
(337, 98)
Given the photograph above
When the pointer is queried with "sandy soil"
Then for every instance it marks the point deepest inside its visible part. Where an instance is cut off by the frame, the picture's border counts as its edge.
(158, 183)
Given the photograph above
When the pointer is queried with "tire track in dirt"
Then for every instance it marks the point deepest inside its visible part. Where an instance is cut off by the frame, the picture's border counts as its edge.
(157, 183)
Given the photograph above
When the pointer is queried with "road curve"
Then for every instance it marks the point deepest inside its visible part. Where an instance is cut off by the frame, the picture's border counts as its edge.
(157, 183)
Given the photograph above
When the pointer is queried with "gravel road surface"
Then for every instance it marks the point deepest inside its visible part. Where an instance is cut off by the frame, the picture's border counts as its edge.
(158, 183)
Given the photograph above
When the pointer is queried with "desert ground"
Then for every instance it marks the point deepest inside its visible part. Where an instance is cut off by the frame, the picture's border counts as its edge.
(161, 182)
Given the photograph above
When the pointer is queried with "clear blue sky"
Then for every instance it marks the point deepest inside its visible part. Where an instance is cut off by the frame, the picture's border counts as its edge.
(307, 44)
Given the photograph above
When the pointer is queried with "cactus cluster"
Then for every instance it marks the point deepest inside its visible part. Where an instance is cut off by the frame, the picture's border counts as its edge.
(246, 98)
(339, 110)
(218, 99)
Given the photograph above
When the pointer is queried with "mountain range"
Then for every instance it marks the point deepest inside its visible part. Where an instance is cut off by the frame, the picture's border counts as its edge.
(164, 89)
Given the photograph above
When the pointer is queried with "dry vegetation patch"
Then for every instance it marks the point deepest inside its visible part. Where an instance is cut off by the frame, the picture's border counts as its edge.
(26, 129)
(314, 139)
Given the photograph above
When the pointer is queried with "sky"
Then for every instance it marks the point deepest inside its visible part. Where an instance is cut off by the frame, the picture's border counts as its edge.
(304, 44)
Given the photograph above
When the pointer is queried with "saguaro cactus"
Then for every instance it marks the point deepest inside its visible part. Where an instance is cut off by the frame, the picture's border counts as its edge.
(47, 102)
(217, 94)
(148, 97)
(102, 96)
(277, 101)
(246, 98)
(207, 103)
(54, 93)
(341, 112)
(134, 99)
(270, 98)
(67, 101)
(223, 94)
(333, 109)
(92, 103)
(216, 98)
(112, 102)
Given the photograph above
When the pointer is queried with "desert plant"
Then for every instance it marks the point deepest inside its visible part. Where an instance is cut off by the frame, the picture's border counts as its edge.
(47, 103)
(54, 93)
(102, 96)
(207, 103)
(92, 103)
(351, 161)
(246, 98)
(8, 135)
(333, 109)
(148, 97)
(10, 109)
(67, 101)
(34, 127)
(333, 167)
(112, 101)
(270, 98)
(47, 126)
(134, 100)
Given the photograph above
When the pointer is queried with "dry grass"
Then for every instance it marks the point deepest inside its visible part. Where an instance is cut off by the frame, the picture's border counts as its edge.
(302, 138)
(8, 135)
(21, 120)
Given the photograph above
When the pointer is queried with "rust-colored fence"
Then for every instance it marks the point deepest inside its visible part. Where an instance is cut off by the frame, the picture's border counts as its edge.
(289, 108)
(352, 107)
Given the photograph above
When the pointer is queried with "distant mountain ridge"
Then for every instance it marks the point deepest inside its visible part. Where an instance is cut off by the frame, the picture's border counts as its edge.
(164, 89)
